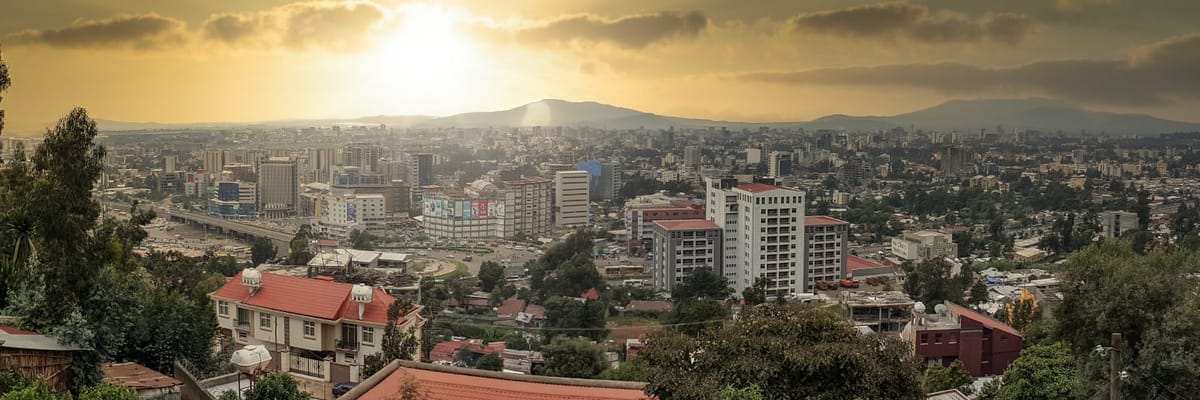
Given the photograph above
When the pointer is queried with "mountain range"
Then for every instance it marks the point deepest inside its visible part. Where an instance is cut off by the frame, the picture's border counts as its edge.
(955, 115)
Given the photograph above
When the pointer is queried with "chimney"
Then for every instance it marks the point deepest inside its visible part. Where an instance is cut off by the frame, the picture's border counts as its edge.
(361, 294)
(252, 279)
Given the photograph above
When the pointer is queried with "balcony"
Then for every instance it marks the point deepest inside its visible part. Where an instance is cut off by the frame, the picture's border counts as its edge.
(346, 345)
(241, 325)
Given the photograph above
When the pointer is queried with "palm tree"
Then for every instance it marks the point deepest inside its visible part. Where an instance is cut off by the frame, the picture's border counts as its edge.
(20, 226)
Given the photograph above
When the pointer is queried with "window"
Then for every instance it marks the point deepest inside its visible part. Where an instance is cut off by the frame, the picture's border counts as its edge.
(368, 334)
(937, 338)
(264, 321)
(924, 338)
(223, 307)
(310, 329)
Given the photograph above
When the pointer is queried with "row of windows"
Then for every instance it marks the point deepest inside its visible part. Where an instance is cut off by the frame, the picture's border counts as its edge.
(265, 321)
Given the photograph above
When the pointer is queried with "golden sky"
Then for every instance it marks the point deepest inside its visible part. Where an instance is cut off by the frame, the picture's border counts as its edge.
(748, 60)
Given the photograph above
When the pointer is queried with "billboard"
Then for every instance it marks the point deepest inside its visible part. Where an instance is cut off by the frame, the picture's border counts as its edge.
(464, 208)
(352, 212)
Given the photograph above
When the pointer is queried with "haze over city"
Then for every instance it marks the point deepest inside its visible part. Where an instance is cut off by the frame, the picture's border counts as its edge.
(599, 200)
(759, 61)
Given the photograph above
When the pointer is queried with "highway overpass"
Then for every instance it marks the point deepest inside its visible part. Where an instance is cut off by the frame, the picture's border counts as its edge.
(229, 227)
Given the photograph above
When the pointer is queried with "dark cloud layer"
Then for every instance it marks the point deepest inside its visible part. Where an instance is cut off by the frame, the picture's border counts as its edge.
(1157, 74)
(144, 31)
(343, 25)
(904, 21)
(631, 32)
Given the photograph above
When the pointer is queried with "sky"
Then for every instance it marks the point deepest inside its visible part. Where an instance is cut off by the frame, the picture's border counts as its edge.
(747, 60)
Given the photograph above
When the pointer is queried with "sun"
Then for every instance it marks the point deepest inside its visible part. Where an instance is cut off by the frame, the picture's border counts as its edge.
(423, 54)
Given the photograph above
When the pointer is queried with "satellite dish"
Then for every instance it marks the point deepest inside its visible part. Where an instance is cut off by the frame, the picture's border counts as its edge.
(919, 307)
(940, 309)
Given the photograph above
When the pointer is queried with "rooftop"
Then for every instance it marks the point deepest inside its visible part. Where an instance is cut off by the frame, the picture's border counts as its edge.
(823, 220)
(687, 224)
(854, 263)
(136, 376)
(303, 296)
(757, 187)
(470, 384)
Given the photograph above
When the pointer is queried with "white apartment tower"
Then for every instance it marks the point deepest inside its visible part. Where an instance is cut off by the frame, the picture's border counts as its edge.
(570, 198)
(770, 235)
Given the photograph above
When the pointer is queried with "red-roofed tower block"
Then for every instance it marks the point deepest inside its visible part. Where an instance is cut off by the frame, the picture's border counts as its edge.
(316, 328)
(826, 239)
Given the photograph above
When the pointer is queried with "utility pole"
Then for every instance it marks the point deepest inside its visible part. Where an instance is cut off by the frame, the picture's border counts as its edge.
(1114, 368)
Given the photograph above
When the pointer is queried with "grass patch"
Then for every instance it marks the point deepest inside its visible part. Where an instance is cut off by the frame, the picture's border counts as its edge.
(460, 270)
(418, 267)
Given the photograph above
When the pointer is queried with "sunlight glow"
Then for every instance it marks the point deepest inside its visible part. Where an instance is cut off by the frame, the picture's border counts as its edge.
(423, 56)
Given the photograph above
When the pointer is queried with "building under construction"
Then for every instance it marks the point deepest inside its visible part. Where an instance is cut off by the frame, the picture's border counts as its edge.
(882, 312)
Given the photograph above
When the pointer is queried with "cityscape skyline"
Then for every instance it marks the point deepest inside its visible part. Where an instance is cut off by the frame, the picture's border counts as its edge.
(764, 62)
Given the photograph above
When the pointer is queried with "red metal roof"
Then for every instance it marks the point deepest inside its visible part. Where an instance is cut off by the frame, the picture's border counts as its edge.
(509, 308)
(964, 312)
(823, 220)
(686, 224)
(854, 263)
(757, 187)
(461, 386)
(444, 351)
(312, 297)
(590, 294)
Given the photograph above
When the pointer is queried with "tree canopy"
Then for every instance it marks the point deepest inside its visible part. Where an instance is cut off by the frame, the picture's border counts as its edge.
(572, 358)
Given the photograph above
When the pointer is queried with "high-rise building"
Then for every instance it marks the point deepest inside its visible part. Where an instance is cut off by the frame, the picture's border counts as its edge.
(322, 161)
(279, 187)
(610, 180)
(856, 170)
(683, 246)
(420, 169)
(826, 239)
(691, 157)
(957, 162)
(753, 156)
(214, 160)
(570, 199)
(363, 155)
(344, 213)
(169, 164)
(641, 212)
(763, 229)
(527, 206)
(779, 164)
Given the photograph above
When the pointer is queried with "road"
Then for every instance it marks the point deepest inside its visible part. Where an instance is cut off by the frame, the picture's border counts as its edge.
(281, 238)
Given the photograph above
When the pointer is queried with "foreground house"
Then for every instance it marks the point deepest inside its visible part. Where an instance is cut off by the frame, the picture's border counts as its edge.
(985, 346)
(452, 383)
(37, 355)
(315, 328)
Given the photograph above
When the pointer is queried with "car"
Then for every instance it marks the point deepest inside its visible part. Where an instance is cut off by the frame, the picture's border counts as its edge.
(343, 387)
(468, 258)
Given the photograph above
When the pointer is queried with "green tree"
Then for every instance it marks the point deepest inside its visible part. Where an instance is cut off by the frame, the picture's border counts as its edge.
(701, 283)
(276, 386)
(108, 391)
(1040, 373)
(1022, 314)
(570, 317)
(756, 294)
(789, 351)
(632, 371)
(1168, 362)
(753, 392)
(360, 240)
(37, 390)
(979, 293)
(930, 282)
(955, 376)
(262, 250)
(171, 327)
(298, 250)
(572, 358)
(490, 362)
(490, 274)
(693, 317)
(398, 343)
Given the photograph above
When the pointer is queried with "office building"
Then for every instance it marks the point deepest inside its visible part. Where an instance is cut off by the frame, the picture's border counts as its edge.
(779, 164)
(278, 186)
(169, 164)
(957, 162)
(691, 157)
(1113, 224)
(214, 160)
(762, 225)
(420, 169)
(985, 346)
(721, 208)
(234, 199)
(571, 199)
(363, 155)
(527, 203)
(753, 156)
(683, 246)
(826, 239)
(604, 179)
(924, 245)
(641, 212)
(344, 213)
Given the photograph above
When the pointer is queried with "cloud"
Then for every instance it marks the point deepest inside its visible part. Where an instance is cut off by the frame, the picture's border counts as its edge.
(629, 32)
(904, 21)
(1075, 6)
(339, 25)
(1156, 74)
(141, 31)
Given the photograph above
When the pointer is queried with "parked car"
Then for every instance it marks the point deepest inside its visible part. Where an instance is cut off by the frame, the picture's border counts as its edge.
(343, 387)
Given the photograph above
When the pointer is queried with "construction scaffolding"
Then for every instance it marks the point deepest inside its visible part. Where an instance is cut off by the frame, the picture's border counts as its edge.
(883, 312)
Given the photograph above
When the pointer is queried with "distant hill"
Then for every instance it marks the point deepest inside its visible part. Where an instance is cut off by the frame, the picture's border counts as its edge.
(956, 115)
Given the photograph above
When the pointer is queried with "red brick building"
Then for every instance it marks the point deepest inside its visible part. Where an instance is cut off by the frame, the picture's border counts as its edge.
(639, 222)
(984, 345)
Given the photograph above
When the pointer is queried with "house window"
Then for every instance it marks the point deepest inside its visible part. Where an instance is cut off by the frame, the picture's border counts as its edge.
(223, 307)
(924, 338)
(368, 334)
(310, 329)
(264, 321)
(937, 338)
(242, 336)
